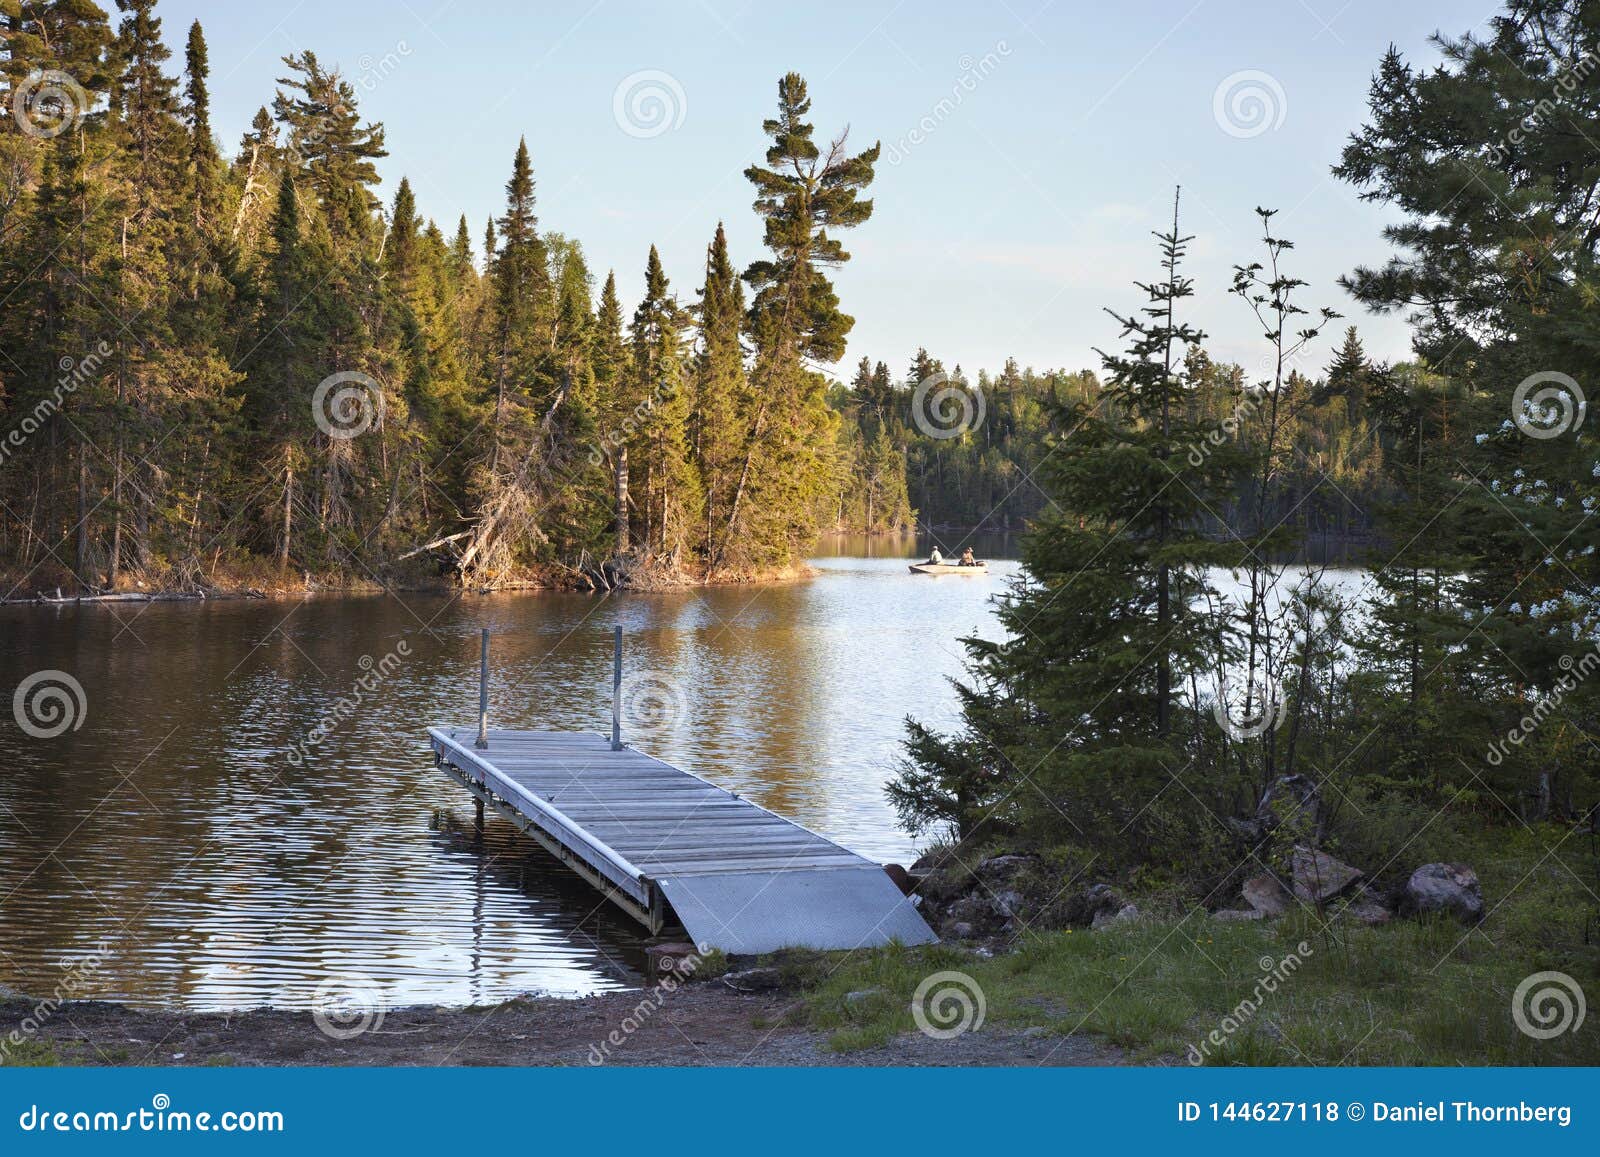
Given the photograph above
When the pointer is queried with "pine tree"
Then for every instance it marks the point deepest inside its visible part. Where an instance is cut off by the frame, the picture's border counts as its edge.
(326, 140)
(671, 484)
(804, 197)
(722, 400)
(610, 359)
(203, 160)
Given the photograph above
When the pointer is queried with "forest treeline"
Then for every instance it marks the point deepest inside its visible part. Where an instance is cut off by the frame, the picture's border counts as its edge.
(241, 361)
(938, 449)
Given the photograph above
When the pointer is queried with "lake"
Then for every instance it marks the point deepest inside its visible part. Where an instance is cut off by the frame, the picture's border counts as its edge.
(177, 850)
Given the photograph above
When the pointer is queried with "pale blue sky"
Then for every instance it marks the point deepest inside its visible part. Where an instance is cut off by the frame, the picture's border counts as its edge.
(1024, 208)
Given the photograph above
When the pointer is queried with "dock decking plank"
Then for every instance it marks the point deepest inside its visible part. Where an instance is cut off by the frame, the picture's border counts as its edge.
(654, 835)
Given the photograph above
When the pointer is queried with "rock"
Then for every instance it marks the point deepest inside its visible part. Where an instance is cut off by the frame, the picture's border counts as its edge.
(1034, 1032)
(902, 878)
(957, 930)
(1318, 877)
(1451, 888)
(1266, 895)
(1234, 915)
(862, 995)
(973, 909)
(1123, 915)
(1101, 896)
(667, 959)
(755, 980)
(1250, 831)
(1290, 797)
(1008, 903)
(933, 860)
(1366, 907)
(997, 868)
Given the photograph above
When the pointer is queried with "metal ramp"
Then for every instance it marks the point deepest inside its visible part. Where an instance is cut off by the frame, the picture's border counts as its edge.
(657, 839)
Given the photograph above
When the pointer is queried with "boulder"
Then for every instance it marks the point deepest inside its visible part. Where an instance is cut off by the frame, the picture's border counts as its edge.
(1266, 895)
(1102, 898)
(1317, 876)
(1238, 915)
(934, 859)
(956, 930)
(974, 909)
(669, 959)
(1290, 797)
(1123, 915)
(1008, 903)
(998, 868)
(1451, 888)
(902, 878)
(1367, 907)
(755, 980)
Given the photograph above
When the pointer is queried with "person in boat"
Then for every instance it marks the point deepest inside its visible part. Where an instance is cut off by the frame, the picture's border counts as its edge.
(967, 559)
(936, 558)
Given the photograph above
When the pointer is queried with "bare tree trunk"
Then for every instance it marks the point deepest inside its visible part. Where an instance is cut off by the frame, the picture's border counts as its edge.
(83, 514)
(288, 507)
(622, 499)
(116, 521)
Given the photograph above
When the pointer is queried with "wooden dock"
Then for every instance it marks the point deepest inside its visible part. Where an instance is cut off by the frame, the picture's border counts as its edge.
(663, 843)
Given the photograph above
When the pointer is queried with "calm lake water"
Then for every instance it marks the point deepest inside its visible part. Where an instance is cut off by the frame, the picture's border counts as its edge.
(170, 852)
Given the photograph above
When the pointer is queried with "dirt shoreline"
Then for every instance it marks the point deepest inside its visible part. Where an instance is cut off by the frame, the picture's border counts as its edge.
(333, 588)
(697, 1024)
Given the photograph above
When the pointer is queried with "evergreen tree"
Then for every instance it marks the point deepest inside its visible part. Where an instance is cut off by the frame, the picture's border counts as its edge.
(671, 484)
(804, 197)
(1073, 720)
(722, 399)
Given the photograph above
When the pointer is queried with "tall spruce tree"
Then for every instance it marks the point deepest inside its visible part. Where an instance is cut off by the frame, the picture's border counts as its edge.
(1072, 728)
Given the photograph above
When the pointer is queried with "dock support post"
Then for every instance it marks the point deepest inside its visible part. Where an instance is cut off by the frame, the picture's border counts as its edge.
(616, 691)
(483, 701)
(477, 819)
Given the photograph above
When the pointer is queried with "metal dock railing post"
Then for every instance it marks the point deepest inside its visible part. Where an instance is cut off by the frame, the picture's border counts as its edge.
(483, 692)
(616, 691)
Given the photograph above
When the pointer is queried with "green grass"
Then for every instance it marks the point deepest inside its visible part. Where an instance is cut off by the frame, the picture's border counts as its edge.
(30, 1053)
(1407, 993)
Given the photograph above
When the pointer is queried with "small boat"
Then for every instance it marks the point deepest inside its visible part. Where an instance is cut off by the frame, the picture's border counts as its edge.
(948, 568)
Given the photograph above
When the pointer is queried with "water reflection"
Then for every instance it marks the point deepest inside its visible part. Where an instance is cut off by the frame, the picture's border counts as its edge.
(173, 827)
